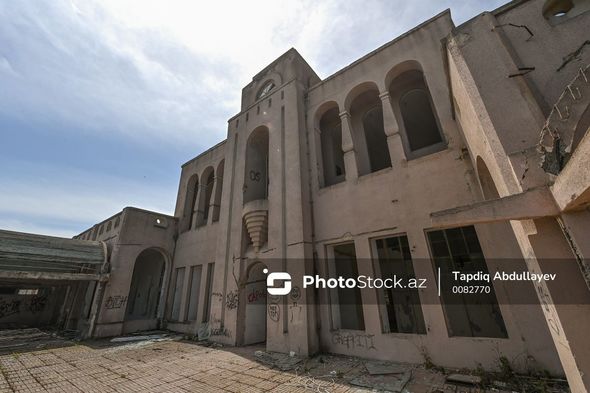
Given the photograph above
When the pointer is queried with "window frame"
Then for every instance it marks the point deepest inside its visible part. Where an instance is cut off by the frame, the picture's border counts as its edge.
(441, 298)
(382, 308)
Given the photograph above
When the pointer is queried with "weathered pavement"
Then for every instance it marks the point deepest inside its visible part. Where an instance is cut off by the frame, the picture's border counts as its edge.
(185, 366)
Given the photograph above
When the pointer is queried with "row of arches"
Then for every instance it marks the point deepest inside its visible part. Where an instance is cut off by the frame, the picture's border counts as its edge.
(203, 198)
(407, 99)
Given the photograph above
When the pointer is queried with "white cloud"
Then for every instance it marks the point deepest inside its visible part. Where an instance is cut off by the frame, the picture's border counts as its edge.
(62, 200)
(161, 73)
(172, 71)
(6, 67)
(20, 225)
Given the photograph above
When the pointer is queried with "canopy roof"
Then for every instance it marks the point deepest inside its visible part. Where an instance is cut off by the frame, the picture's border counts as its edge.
(25, 255)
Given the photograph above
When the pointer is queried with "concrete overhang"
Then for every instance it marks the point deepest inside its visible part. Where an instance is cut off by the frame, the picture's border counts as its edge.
(571, 188)
(531, 204)
(30, 257)
(47, 276)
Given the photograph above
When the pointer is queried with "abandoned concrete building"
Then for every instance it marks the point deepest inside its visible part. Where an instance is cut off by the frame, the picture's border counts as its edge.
(448, 147)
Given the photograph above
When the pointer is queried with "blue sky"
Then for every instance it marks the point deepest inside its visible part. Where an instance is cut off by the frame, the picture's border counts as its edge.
(102, 101)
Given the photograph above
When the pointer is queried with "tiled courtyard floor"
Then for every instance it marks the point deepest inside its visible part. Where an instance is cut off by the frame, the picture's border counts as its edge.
(185, 366)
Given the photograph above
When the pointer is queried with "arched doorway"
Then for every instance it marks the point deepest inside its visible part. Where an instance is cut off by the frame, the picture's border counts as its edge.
(254, 305)
(145, 291)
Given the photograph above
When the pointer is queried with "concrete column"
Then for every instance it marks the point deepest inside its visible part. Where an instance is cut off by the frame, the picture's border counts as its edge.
(196, 208)
(575, 228)
(566, 310)
(391, 127)
(348, 147)
(216, 179)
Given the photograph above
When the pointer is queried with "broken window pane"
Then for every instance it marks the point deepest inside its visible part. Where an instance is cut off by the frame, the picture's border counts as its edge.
(350, 302)
(402, 309)
(467, 315)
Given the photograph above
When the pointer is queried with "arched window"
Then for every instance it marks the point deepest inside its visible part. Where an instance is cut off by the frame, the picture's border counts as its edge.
(411, 102)
(256, 170)
(268, 86)
(370, 141)
(331, 146)
(419, 119)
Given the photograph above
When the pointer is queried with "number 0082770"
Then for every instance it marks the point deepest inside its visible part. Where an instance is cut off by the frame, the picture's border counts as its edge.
(471, 289)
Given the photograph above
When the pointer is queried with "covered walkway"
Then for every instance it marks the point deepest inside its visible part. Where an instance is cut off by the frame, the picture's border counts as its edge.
(49, 281)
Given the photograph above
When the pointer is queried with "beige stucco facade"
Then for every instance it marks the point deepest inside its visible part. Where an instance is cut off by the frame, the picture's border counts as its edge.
(313, 168)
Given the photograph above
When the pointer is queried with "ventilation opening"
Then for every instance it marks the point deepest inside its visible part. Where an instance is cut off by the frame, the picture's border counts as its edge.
(557, 11)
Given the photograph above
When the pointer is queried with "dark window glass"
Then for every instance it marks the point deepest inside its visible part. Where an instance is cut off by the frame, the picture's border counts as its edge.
(351, 306)
(467, 315)
(401, 306)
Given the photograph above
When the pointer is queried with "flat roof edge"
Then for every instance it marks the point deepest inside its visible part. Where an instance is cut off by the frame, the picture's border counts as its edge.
(204, 152)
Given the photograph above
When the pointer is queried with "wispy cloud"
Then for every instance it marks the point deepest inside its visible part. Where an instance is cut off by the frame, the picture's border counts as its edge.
(101, 101)
(68, 199)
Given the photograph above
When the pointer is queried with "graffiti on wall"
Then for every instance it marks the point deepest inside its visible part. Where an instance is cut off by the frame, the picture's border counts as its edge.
(255, 295)
(114, 302)
(295, 294)
(255, 176)
(231, 300)
(274, 312)
(36, 304)
(353, 340)
(295, 311)
(219, 331)
(9, 307)
(33, 305)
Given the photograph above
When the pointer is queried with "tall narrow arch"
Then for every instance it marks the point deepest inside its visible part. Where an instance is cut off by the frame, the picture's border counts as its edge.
(192, 191)
(218, 190)
(370, 141)
(256, 169)
(412, 103)
(208, 178)
(332, 156)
